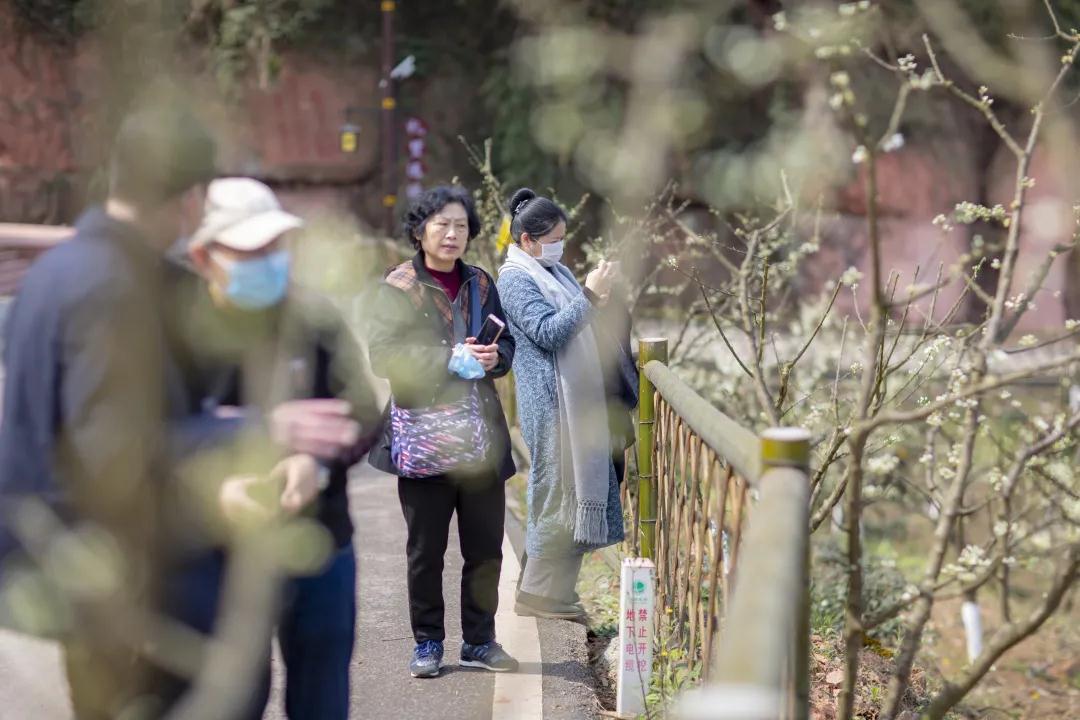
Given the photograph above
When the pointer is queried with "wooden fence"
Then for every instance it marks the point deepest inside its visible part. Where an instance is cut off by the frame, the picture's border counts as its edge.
(724, 515)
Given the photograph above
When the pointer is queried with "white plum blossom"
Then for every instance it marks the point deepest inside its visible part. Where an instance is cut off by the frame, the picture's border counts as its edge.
(996, 479)
(893, 142)
(851, 277)
(882, 464)
(936, 346)
(860, 155)
(942, 221)
(1062, 472)
(969, 212)
(972, 559)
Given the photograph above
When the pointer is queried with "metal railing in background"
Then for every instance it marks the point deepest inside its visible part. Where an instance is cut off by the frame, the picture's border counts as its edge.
(20, 245)
(723, 514)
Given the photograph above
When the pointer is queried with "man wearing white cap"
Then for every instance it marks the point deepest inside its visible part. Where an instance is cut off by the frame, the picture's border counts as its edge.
(239, 248)
(249, 343)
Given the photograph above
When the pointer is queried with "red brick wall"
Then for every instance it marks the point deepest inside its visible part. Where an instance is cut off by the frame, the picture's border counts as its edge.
(915, 185)
(37, 102)
(287, 134)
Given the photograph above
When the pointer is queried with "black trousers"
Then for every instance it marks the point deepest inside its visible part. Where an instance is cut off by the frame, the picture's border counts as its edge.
(428, 505)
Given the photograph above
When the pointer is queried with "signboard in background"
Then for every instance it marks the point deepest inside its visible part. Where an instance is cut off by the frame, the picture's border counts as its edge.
(415, 170)
(636, 606)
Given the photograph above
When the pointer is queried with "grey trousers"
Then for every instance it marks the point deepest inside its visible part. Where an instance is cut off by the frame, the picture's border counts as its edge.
(551, 578)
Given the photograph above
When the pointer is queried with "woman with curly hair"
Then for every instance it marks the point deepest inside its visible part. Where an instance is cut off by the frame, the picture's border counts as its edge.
(425, 308)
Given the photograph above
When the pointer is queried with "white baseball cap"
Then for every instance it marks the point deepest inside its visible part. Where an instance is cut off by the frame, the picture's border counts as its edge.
(242, 214)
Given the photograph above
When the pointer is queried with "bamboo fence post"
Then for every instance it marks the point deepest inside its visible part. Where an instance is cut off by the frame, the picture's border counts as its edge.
(790, 448)
(648, 349)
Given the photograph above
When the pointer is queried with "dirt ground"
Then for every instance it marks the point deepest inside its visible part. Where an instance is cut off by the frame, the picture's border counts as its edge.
(1039, 679)
(1036, 680)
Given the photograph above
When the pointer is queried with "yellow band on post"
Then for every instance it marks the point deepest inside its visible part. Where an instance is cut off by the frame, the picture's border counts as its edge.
(785, 447)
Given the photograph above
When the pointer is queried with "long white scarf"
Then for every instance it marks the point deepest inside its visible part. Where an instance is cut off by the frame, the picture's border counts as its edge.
(585, 441)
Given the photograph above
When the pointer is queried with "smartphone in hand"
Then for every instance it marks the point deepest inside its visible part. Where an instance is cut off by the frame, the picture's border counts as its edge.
(491, 331)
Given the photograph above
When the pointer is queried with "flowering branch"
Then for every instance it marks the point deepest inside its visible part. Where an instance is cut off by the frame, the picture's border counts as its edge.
(981, 104)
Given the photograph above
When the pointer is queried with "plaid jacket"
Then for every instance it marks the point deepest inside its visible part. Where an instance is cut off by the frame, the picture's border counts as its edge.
(410, 339)
(413, 279)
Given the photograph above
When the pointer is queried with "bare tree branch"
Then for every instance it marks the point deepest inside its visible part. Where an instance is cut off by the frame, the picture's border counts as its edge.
(1008, 637)
(900, 680)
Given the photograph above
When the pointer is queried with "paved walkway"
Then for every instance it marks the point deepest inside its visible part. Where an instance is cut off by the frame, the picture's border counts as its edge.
(552, 682)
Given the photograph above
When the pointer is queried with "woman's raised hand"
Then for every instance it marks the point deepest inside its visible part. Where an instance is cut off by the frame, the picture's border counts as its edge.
(600, 279)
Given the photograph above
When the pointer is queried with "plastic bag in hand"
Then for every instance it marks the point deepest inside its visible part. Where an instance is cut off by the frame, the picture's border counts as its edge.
(464, 364)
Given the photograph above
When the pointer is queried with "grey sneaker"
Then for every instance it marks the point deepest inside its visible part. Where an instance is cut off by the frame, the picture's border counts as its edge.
(427, 659)
(489, 656)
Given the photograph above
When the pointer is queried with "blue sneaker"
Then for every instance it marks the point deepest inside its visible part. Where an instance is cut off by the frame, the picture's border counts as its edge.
(489, 656)
(427, 659)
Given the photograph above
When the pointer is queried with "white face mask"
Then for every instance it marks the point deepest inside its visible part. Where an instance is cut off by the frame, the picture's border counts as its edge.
(552, 252)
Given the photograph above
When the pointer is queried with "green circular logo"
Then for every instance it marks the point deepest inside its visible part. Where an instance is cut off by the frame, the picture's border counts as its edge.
(639, 586)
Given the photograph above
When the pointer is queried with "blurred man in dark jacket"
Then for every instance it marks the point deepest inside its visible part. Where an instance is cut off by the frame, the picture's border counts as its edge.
(83, 446)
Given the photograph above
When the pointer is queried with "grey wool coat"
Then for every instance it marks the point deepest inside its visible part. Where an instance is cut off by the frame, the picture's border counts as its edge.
(540, 331)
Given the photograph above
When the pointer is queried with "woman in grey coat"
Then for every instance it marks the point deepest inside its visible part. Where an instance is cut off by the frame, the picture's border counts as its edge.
(573, 491)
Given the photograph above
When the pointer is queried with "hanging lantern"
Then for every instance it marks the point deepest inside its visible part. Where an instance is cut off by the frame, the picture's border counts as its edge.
(350, 133)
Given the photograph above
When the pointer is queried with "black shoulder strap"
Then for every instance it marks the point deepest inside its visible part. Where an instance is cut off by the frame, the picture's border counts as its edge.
(474, 307)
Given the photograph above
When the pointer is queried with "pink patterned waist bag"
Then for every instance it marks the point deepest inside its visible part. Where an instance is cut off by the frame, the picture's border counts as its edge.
(439, 439)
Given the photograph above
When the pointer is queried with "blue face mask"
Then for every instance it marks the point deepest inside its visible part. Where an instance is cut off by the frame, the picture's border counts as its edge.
(258, 283)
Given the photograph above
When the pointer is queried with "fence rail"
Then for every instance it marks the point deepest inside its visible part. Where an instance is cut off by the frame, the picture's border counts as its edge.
(723, 513)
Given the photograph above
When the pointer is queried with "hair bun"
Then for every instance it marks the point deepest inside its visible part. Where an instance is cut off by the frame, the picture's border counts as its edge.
(518, 199)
